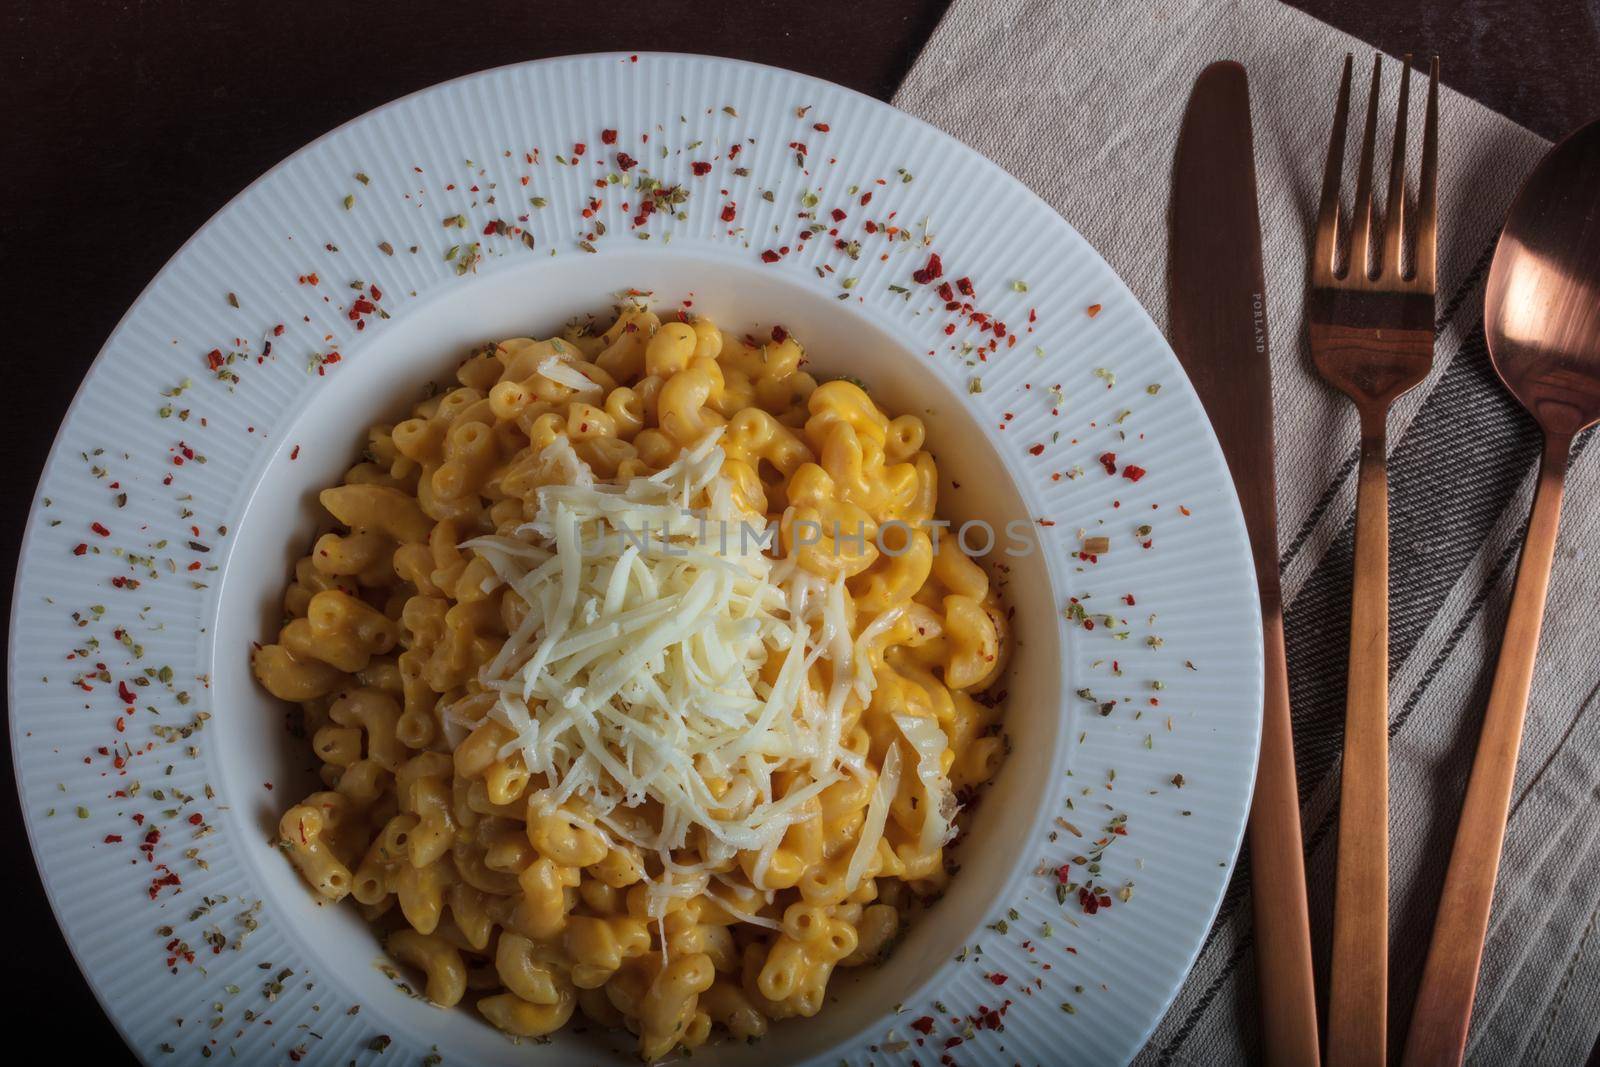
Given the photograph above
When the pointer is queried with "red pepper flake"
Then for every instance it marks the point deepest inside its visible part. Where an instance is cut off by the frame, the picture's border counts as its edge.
(769, 256)
(838, 215)
(99, 529)
(196, 819)
(866, 198)
(626, 162)
(214, 359)
(1092, 310)
(997, 978)
(1108, 460)
(112, 839)
(168, 879)
(729, 210)
(1036, 450)
(700, 167)
(294, 453)
(1133, 472)
(965, 285)
(125, 693)
(923, 1025)
(779, 335)
(820, 127)
(934, 269)
(579, 149)
(80, 549)
(1127, 598)
(608, 136)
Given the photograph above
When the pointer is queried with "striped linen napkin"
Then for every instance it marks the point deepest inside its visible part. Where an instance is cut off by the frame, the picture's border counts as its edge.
(1084, 105)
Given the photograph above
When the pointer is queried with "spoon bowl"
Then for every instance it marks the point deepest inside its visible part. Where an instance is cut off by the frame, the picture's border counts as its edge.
(1542, 304)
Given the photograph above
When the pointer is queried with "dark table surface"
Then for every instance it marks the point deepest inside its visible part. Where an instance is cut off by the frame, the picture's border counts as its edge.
(131, 121)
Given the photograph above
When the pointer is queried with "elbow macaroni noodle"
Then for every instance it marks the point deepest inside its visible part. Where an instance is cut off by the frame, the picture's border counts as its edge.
(531, 910)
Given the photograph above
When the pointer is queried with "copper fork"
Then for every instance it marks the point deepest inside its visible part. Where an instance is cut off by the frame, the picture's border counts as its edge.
(1371, 326)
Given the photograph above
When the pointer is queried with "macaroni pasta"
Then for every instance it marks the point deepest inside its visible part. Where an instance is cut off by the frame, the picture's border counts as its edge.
(665, 783)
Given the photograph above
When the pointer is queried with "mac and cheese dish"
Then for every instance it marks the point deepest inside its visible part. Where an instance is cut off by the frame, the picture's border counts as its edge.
(641, 682)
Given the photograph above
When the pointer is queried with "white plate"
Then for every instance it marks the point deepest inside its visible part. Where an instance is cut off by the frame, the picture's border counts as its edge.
(200, 546)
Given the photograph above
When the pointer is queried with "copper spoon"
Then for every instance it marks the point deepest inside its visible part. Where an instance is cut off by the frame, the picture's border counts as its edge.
(1542, 317)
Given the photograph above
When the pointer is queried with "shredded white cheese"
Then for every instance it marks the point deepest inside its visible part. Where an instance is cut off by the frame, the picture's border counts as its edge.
(937, 803)
(883, 792)
(636, 675)
(561, 372)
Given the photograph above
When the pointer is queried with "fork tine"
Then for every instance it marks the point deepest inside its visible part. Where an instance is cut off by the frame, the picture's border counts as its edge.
(1394, 207)
(1325, 249)
(1361, 225)
(1428, 187)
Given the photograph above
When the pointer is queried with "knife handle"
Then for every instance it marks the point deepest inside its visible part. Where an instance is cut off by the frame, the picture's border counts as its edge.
(1278, 884)
(1441, 1018)
(1358, 992)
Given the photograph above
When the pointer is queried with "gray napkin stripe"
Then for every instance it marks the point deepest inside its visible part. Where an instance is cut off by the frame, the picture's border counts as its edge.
(1554, 1012)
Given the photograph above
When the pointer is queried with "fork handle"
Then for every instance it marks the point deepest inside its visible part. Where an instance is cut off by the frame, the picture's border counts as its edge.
(1438, 1034)
(1358, 988)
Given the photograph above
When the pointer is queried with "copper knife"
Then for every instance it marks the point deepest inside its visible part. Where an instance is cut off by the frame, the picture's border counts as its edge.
(1218, 326)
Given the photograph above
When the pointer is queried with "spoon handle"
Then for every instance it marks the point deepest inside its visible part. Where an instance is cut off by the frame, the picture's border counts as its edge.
(1358, 985)
(1438, 1034)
